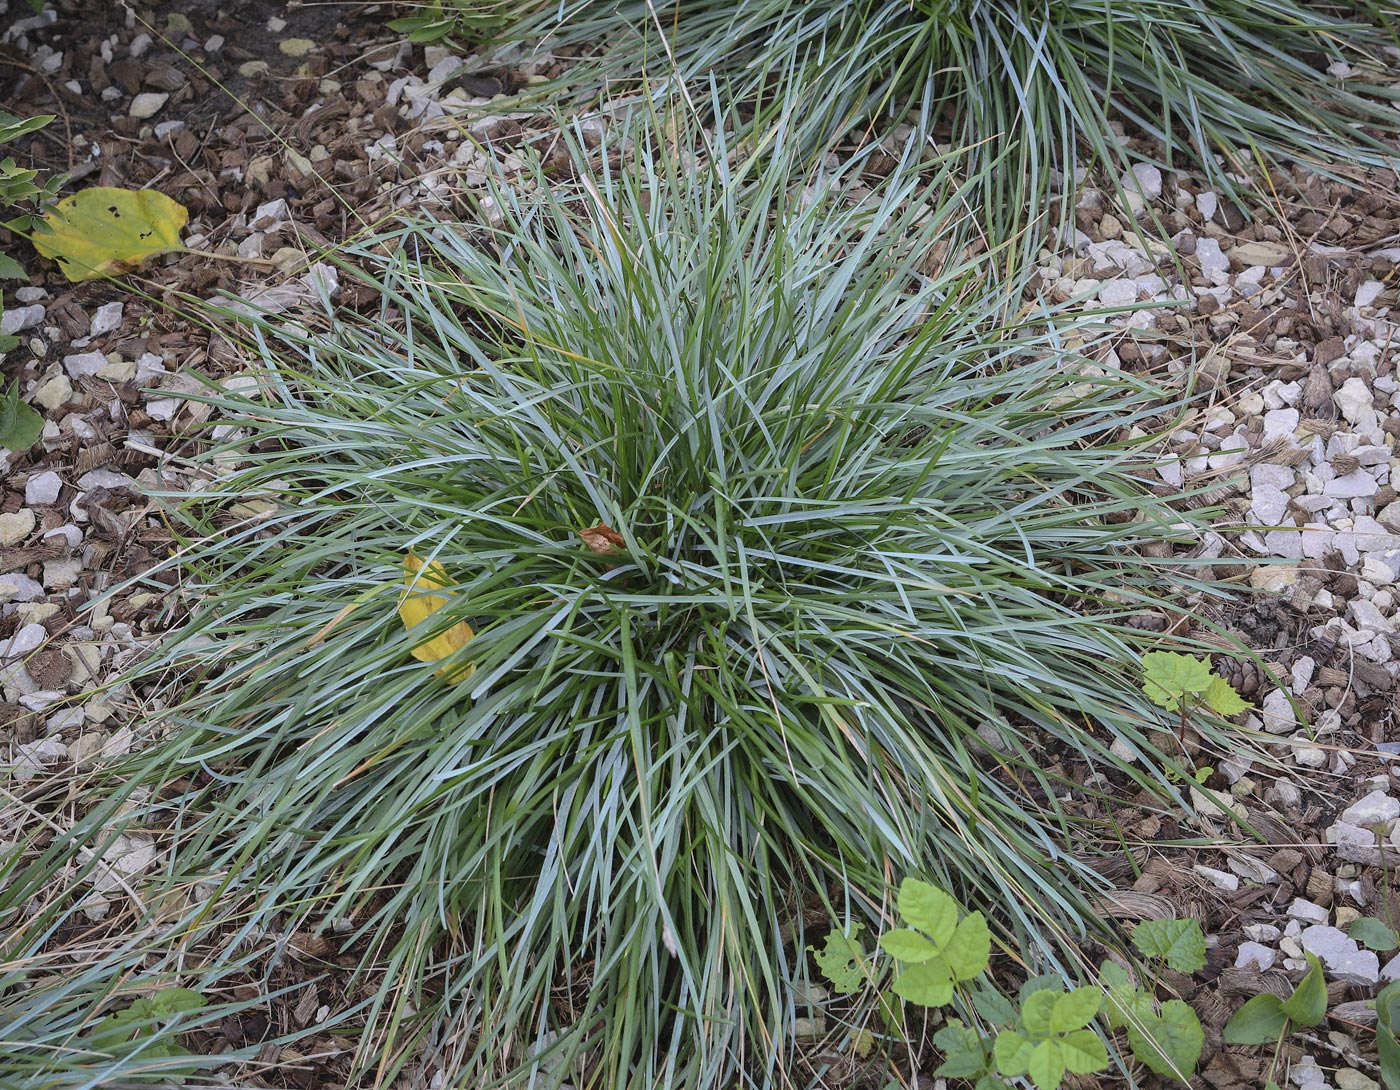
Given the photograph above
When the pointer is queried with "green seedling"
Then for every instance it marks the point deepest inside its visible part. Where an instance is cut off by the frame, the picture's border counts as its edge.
(1267, 1019)
(137, 1028)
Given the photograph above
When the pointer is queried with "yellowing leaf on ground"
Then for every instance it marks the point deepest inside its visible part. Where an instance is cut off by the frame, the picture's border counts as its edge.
(105, 231)
(418, 604)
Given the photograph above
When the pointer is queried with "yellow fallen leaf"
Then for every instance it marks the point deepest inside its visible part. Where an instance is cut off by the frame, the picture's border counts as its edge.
(105, 231)
(417, 605)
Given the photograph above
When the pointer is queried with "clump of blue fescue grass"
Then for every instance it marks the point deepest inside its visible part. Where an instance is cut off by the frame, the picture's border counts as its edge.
(1026, 84)
(862, 514)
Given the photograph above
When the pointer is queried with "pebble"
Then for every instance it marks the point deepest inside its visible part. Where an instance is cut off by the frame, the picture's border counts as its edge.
(1354, 400)
(1215, 266)
(1255, 954)
(18, 319)
(1348, 1078)
(1341, 956)
(1118, 293)
(1307, 911)
(1280, 424)
(1146, 177)
(42, 489)
(28, 639)
(122, 859)
(296, 47)
(148, 104)
(1354, 485)
(107, 319)
(1262, 932)
(54, 393)
(1368, 293)
(1276, 713)
(84, 364)
(1307, 755)
(1218, 878)
(1377, 808)
(16, 526)
(15, 587)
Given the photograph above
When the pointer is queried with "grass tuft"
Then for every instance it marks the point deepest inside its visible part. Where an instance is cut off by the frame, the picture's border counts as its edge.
(1220, 85)
(864, 515)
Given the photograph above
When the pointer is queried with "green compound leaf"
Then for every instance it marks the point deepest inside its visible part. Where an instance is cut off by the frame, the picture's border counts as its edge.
(964, 1054)
(1180, 943)
(1372, 933)
(1308, 1005)
(1075, 1010)
(929, 909)
(1123, 1001)
(842, 960)
(1083, 1052)
(994, 1007)
(1012, 1052)
(1169, 1045)
(906, 945)
(1169, 676)
(1037, 1012)
(1046, 1065)
(1223, 699)
(927, 983)
(970, 948)
(1260, 1021)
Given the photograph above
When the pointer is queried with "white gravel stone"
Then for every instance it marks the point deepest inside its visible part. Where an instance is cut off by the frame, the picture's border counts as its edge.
(1279, 425)
(30, 757)
(18, 319)
(1269, 475)
(1354, 400)
(84, 364)
(1341, 957)
(1146, 177)
(1218, 878)
(1368, 293)
(1306, 911)
(107, 319)
(1368, 618)
(1308, 756)
(1255, 954)
(1353, 485)
(16, 526)
(1276, 712)
(1280, 395)
(55, 393)
(1391, 970)
(1262, 932)
(124, 858)
(42, 488)
(1118, 293)
(1377, 808)
(28, 639)
(15, 587)
(1301, 674)
(1215, 266)
(148, 104)
(1269, 506)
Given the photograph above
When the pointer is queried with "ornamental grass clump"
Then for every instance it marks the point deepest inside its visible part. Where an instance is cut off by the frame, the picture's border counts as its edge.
(734, 517)
(1026, 84)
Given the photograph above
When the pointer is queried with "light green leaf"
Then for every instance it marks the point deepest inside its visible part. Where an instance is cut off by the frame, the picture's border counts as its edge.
(1046, 1065)
(1171, 1044)
(1038, 1010)
(105, 231)
(906, 945)
(1075, 1010)
(926, 983)
(1169, 676)
(1308, 1005)
(1083, 1052)
(172, 1001)
(970, 948)
(1370, 932)
(1180, 943)
(842, 960)
(1260, 1021)
(1223, 699)
(10, 269)
(929, 909)
(1012, 1052)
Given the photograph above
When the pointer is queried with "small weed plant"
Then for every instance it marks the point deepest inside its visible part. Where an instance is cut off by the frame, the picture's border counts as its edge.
(940, 959)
